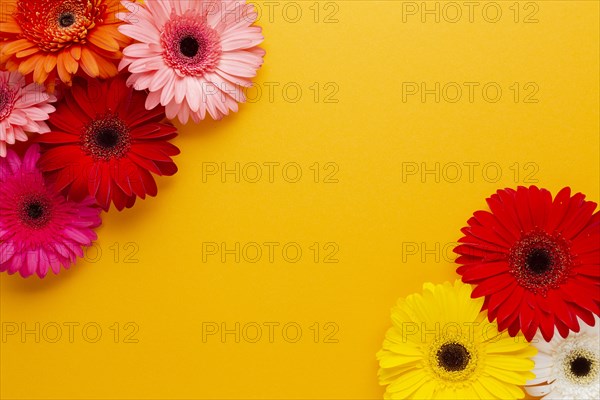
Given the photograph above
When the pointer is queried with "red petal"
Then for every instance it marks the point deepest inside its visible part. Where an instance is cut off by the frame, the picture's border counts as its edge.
(547, 326)
(137, 185)
(144, 163)
(522, 201)
(151, 151)
(500, 232)
(104, 187)
(149, 183)
(61, 157)
(578, 221)
(167, 168)
(473, 273)
(507, 218)
(558, 209)
(491, 285)
(57, 137)
(121, 170)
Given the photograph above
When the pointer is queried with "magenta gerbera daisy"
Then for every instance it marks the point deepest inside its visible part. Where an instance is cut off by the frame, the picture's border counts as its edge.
(193, 56)
(23, 108)
(40, 229)
(535, 260)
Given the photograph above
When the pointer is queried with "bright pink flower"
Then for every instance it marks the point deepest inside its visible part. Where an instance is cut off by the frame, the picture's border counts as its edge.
(40, 229)
(22, 108)
(193, 56)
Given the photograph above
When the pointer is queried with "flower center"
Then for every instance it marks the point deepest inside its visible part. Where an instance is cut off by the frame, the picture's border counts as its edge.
(107, 137)
(540, 262)
(581, 366)
(66, 19)
(7, 101)
(453, 357)
(54, 25)
(190, 45)
(35, 211)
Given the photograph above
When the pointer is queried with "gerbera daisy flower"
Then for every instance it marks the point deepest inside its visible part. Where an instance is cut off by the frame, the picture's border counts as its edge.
(193, 56)
(40, 229)
(105, 144)
(22, 108)
(56, 38)
(535, 260)
(568, 368)
(441, 347)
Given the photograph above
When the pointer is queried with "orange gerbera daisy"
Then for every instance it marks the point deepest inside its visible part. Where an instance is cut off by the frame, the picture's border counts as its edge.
(51, 38)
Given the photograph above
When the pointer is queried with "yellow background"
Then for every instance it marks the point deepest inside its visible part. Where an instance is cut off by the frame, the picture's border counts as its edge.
(370, 213)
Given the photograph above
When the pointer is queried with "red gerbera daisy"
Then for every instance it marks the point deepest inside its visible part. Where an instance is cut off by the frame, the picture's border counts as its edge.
(104, 143)
(536, 260)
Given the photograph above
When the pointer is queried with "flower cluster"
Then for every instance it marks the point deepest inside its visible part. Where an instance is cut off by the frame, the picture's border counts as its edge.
(94, 84)
(530, 269)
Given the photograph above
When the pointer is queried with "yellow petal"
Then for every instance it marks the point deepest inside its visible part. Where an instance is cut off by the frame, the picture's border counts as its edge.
(510, 363)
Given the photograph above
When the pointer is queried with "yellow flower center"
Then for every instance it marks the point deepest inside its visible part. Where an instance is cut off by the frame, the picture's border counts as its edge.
(581, 366)
(453, 359)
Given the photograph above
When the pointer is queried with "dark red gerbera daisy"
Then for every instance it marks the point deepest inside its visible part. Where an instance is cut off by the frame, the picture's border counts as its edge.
(104, 143)
(536, 260)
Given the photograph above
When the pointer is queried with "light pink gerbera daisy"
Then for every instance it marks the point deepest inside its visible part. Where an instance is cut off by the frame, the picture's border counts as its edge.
(40, 229)
(22, 108)
(193, 56)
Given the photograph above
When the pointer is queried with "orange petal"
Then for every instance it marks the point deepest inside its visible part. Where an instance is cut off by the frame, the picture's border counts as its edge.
(40, 74)
(102, 38)
(76, 52)
(28, 65)
(63, 72)
(50, 63)
(51, 84)
(10, 26)
(70, 64)
(107, 68)
(28, 52)
(88, 63)
(16, 46)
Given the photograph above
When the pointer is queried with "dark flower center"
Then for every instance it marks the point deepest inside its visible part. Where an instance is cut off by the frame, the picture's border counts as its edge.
(540, 261)
(66, 19)
(453, 357)
(189, 46)
(35, 211)
(581, 366)
(107, 137)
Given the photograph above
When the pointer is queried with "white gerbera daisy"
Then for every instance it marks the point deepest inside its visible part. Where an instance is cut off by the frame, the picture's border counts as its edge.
(568, 368)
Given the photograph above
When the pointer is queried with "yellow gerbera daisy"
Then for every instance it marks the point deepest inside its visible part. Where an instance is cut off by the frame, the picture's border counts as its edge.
(51, 38)
(442, 347)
